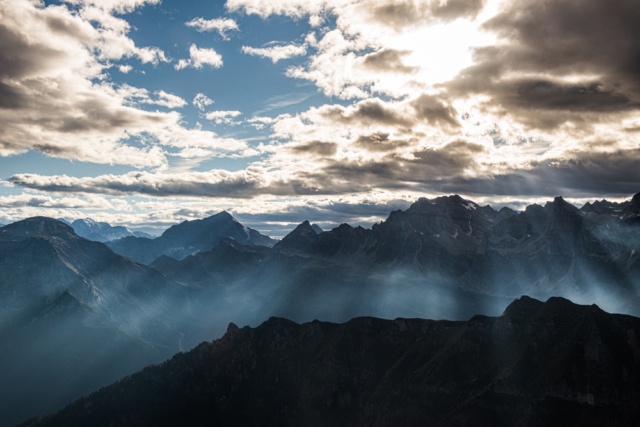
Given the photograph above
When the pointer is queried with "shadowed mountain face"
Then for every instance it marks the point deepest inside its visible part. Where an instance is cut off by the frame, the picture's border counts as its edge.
(189, 238)
(553, 363)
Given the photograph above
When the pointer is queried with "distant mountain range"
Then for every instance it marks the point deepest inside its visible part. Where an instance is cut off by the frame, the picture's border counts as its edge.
(539, 364)
(189, 238)
(102, 231)
(444, 258)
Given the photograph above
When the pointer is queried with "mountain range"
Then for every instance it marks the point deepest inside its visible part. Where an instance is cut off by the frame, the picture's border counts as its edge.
(551, 363)
(189, 238)
(70, 306)
(102, 231)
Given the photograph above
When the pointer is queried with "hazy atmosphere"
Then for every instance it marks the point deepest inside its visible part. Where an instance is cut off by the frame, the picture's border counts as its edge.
(147, 113)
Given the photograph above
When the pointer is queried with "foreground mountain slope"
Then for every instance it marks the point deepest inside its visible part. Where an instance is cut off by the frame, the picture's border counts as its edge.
(189, 238)
(553, 363)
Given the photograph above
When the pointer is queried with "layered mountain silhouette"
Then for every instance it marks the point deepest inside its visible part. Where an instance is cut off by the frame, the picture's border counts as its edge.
(188, 238)
(84, 307)
(551, 363)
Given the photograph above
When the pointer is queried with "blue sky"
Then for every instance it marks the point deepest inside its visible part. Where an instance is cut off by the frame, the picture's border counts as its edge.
(146, 112)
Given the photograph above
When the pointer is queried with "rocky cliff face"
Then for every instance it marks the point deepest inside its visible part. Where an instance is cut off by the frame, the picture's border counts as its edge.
(552, 363)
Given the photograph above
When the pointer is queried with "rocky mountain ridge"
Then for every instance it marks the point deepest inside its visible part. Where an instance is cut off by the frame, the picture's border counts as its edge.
(551, 363)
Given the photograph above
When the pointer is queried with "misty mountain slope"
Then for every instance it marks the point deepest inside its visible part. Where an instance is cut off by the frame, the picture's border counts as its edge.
(224, 262)
(557, 249)
(43, 258)
(552, 363)
(75, 316)
(63, 350)
(189, 238)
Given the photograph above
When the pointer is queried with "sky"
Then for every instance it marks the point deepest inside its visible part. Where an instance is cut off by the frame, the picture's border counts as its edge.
(146, 113)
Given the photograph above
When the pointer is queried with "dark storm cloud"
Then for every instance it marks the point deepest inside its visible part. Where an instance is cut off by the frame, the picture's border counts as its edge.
(397, 172)
(401, 14)
(434, 111)
(315, 148)
(449, 169)
(368, 112)
(389, 60)
(598, 39)
(375, 112)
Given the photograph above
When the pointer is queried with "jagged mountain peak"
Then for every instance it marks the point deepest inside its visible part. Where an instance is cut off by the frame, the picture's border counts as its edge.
(442, 202)
(317, 228)
(560, 203)
(299, 239)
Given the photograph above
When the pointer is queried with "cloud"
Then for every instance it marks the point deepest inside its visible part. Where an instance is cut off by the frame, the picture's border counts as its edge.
(380, 142)
(222, 116)
(201, 101)
(217, 183)
(28, 200)
(558, 62)
(56, 99)
(276, 53)
(221, 25)
(315, 148)
(199, 57)
(166, 100)
(389, 60)
(392, 13)
(125, 68)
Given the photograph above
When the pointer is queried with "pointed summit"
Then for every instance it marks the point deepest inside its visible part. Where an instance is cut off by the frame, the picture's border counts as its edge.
(300, 240)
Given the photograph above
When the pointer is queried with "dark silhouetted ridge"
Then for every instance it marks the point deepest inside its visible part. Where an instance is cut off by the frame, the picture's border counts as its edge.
(573, 370)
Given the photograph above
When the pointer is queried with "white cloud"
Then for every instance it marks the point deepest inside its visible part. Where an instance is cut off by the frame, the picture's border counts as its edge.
(221, 25)
(166, 100)
(276, 53)
(57, 101)
(125, 68)
(198, 57)
(222, 116)
(201, 101)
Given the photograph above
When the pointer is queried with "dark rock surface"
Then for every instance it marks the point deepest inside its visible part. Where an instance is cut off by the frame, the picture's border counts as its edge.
(552, 363)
